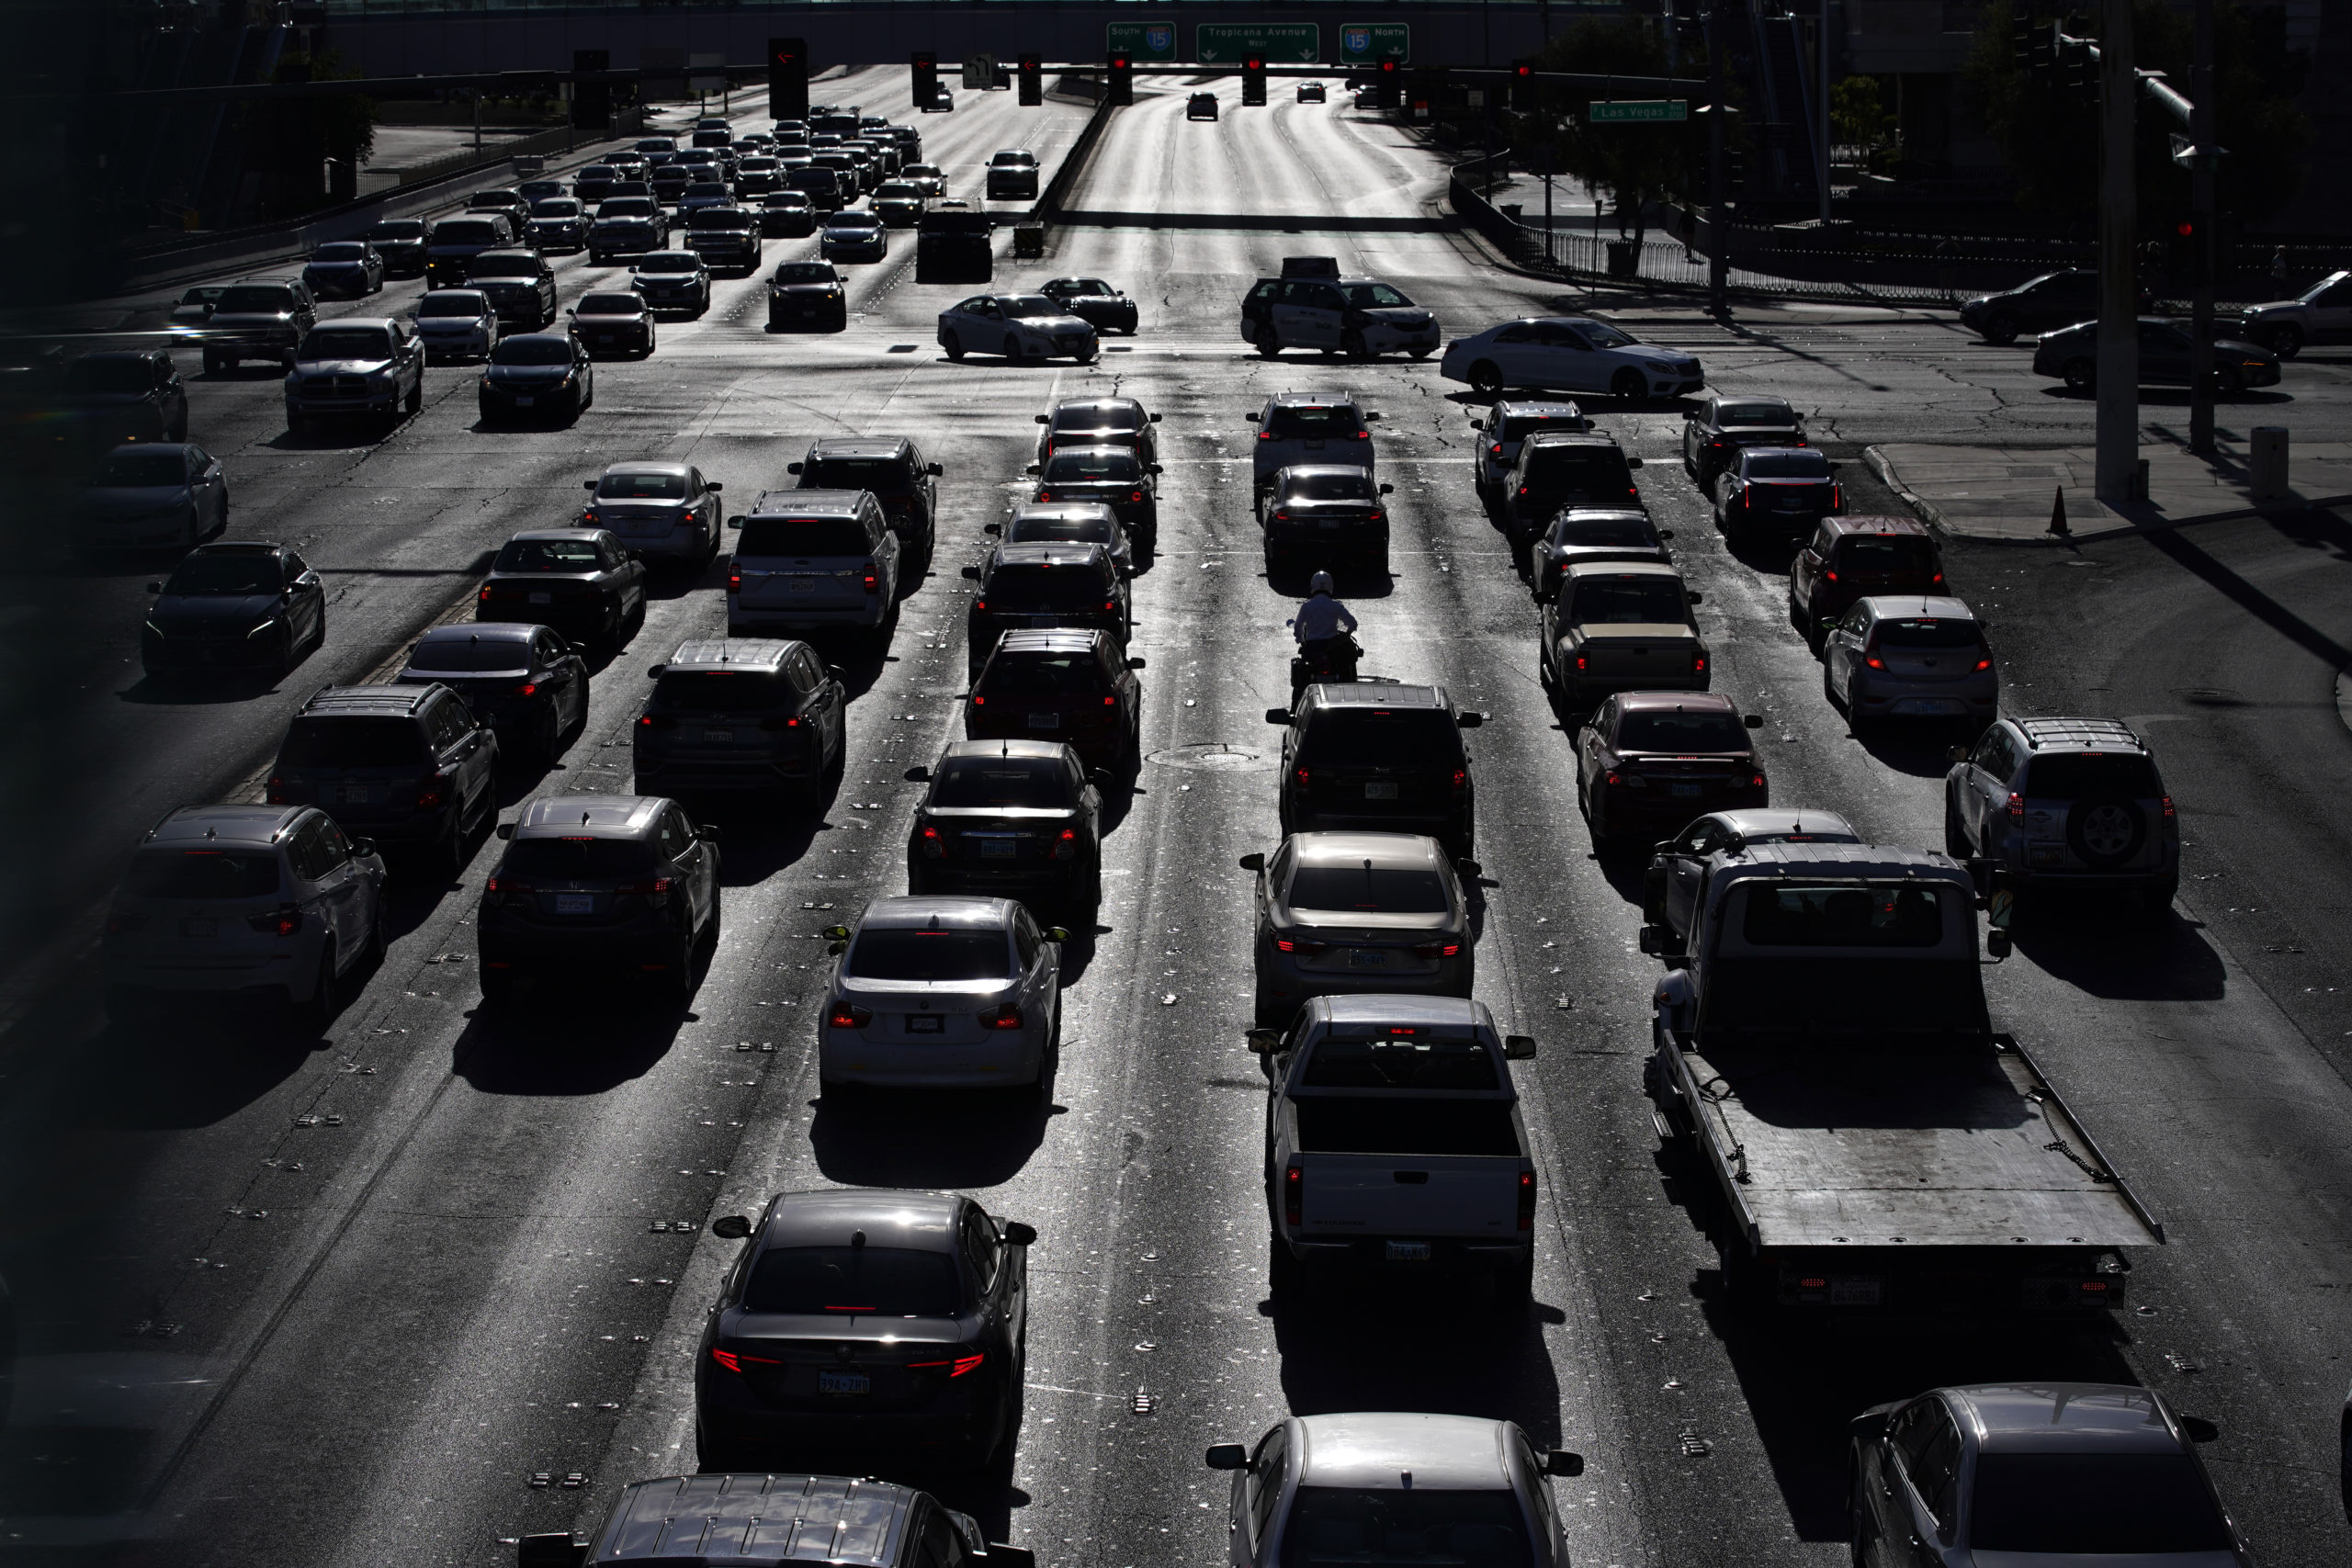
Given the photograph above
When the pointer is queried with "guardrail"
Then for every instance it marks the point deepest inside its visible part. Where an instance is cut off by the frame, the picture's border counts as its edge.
(1049, 200)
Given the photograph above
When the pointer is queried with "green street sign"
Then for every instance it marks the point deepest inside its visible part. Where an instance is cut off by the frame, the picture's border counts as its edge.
(1366, 44)
(1152, 42)
(1276, 43)
(1639, 111)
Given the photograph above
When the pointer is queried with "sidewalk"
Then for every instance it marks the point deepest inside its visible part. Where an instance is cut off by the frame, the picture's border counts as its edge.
(2006, 492)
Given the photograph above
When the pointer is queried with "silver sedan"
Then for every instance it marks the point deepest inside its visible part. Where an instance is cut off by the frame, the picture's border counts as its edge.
(1358, 912)
(456, 323)
(1019, 326)
(1075, 522)
(942, 992)
(1910, 657)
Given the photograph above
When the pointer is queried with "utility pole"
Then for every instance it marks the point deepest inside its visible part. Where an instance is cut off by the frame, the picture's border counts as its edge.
(1718, 224)
(2201, 239)
(1823, 92)
(2117, 464)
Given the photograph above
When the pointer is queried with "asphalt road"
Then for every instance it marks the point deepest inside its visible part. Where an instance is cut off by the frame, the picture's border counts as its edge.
(251, 1340)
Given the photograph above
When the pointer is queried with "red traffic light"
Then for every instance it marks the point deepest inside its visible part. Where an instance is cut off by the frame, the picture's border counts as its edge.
(1253, 65)
(1388, 67)
(1118, 63)
(1523, 71)
(2185, 229)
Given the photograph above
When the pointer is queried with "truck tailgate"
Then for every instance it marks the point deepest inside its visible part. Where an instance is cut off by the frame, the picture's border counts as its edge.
(1464, 1196)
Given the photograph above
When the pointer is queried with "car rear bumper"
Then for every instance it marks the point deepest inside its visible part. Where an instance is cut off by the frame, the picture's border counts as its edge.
(1371, 1252)
(1975, 699)
(1015, 1058)
(748, 772)
(263, 974)
(779, 617)
(577, 625)
(1660, 808)
(947, 1431)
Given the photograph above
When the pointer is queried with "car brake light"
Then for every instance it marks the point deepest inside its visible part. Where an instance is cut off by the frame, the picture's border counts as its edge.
(1006, 1015)
(656, 891)
(1937, 579)
(1699, 664)
(1495, 450)
(277, 792)
(484, 597)
(1837, 498)
(1527, 1200)
(588, 517)
(1438, 949)
(1135, 497)
(1522, 490)
(528, 688)
(1293, 1193)
(1302, 775)
(1266, 435)
(1614, 778)
(2169, 814)
(1580, 661)
(844, 1016)
(1830, 575)
(1747, 498)
(872, 578)
(1281, 516)
(733, 1360)
(284, 920)
(1044, 495)
(1756, 781)
(1461, 777)
(428, 792)
(958, 1365)
(1066, 846)
(934, 846)
(734, 580)
(2017, 807)
(1363, 435)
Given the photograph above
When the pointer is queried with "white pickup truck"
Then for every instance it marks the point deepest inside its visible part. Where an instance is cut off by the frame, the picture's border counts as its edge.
(1394, 1141)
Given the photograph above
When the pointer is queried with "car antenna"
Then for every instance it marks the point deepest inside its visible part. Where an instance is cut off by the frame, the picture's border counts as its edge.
(858, 1238)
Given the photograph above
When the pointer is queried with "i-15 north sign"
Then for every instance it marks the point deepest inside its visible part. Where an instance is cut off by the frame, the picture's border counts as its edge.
(1366, 44)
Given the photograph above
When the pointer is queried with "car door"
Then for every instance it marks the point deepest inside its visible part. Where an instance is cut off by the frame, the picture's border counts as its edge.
(1805, 573)
(2331, 312)
(1260, 1487)
(1593, 743)
(1983, 787)
(1567, 362)
(2164, 354)
(1927, 1454)
(306, 598)
(1840, 647)
(1513, 350)
(1686, 867)
(346, 893)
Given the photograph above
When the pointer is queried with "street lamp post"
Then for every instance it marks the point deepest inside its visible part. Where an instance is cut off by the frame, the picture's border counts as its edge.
(2116, 470)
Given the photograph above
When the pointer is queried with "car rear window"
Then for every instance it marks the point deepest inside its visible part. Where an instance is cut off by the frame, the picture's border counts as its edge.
(1585, 470)
(2084, 775)
(96, 375)
(805, 537)
(1041, 675)
(202, 873)
(1037, 589)
(1331, 1526)
(1391, 890)
(611, 305)
(472, 656)
(1313, 422)
(546, 555)
(1788, 466)
(979, 782)
(1944, 633)
(1060, 530)
(1091, 467)
(634, 485)
(1680, 733)
(1756, 414)
(1622, 531)
(466, 231)
(867, 1282)
(385, 743)
(1400, 1057)
(1887, 915)
(1629, 602)
(2063, 1503)
(1354, 736)
(956, 954)
(1882, 552)
(581, 858)
(719, 690)
(1349, 484)
(1518, 427)
(1096, 416)
(883, 476)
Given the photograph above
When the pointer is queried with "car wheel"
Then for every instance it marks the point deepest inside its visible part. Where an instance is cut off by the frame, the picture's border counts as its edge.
(1955, 836)
(314, 1015)
(1515, 1285)
(1857, 1530)
(1354, 346)
(1828, 686)
(415, 399)
(1626, 384)
(2229, 381)
(2081, 375)
(1269, 342)
(2287, 342)
(2001, 329)
(1486, 378)
(296, 426)
(214, 363)
(952, 345)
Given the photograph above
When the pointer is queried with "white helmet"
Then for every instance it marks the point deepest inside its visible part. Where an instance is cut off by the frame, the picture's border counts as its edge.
(1319, 583)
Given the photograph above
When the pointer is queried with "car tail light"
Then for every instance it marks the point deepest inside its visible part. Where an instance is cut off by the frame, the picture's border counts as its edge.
(844, 1016)
(1110, 606)
(277, 792)
(734, 580)
(1282, 517)
(954, 1366)
(1830, 575)
(284, 920)
(1837, 498)
(1580, 661)
(1495, 450)
(1635, 492)
(1066, 846)
(528, 689)
(1363, 435)
(1005, 1015)
(1439, 950)
(1984, 655)
(2170, 815)
(1301, 775)
(1613, 779)
(1698, 663)
(1522, 490)
(1527, 1200)
(1869, 654)
(2016, 807)
(484, 597)
(1756, 781)
(1303, 947)
(1135, 497)
(1044, 495)
(1461, 779)
(1746, 498)
(934, 846)
(428, 792)
(506, 888)
(1937, 580)
(1293, 1193)
(656, 891)
(873, 577)
(588, 517)
(1266, 435)
(735, 1360)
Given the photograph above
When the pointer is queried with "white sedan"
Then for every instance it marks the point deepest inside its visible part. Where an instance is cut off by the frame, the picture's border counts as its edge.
(1569, 354)
(1019, 326)
(456, 323)
(942, 992)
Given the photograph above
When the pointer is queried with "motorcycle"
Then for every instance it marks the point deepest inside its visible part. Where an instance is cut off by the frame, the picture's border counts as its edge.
(1326, 659)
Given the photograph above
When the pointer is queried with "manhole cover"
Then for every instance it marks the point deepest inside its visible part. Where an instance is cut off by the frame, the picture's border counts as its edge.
(1213, 754)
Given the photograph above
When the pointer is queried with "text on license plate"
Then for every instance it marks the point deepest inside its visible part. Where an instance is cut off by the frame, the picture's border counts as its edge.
(353, 794)
(200, 928)
(800, 585)
(575, 903)
(1854, 1293)
(843, 1382)
(719, 735)
(925, 1023)
(524, 402)
(1682, 791)
(1044, 720)
(1367, 958)
(1380, 792)
(1409, 1252)
(542, 598)
(997, 849)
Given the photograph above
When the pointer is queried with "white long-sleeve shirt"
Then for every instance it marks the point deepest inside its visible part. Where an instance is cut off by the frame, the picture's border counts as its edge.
(1321, 617)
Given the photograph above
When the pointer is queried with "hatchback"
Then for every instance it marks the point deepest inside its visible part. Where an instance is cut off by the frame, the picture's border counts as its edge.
(581, 581)
(939, 991)
(2065, 803)
(528, 683)
(1069, 685)
(659, 511)
(1910, 657)
(1349, 913)
(1025, 586)
(1647, 760)
(1379, 756)
(411, 765)
(1325, 515)
(814, 561)
(743, 715)
(1014, 818)
(1851, 557)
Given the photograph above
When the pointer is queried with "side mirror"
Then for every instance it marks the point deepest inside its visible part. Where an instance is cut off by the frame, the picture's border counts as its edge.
(1369, 417)
(587, 484)
(556, 1551)
(1136, 663)
(1652, 941)
(835, 949)
(1469, 868)
(1153, 468)
(1264, 1042)
(1868, 1428)
(730, 1227)
(1632, 462)
(1469, 718)
(1997, 944)
(706, 833)
(1518, 1047)
(1477, 423)
(1101, 778)
(1056, 933)
(996, 529)
(839, 933)
(713, 486)
(2198, 1430)
(934, 470)
(506, 829)
(1277, 715)
(1253, 861)
(1019, 1235)
(572, 309)
(971, 574)
(1695, 597)
(363, 848)
(1753, 721)
(154, 587)
(1033, 469)
(1666, 533)
(1155, 419)
(1250, 417)
(736, 520)
(918, 775)
(1044, 418)
(1388, 489)
(1956, 754)
(1221, 1456)
(655, 672)
(1560, 1461)
(792, 468)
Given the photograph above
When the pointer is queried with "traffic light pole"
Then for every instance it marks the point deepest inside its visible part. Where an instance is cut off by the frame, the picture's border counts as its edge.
(1718, 226)
(2116, 468)
(2201, 239)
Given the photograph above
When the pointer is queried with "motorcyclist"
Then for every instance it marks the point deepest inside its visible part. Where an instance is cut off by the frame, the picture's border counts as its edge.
(1322, 624)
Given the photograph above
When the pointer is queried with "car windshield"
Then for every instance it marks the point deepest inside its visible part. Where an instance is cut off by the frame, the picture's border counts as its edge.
(333, 743)
(2085, 775)
(610, 305)
(1029, 306)
(398, 228)
(470, 655)
(1679, 733)
(721, 218)
(956, 953)
(1061, 530)
(639, 485)
(1313, 420)
(723, 691)
(671, 261)
(1041, 675)
(492, 265)
(546, 555)
(1421, 1058)
(348, 342)
(1339, 1527)
(1075, 286)
(1629, 602)
(806, 271)
(1091, 467)
(898, 189)
(104, 374)
(578, 858)
(1014, 160)
(883, 476)
(955, 221)
(1787, 465)
(1033, 587)
(1368, 737)
(464, 305)
(1349, 484)
(1392, 890)
(2057, 1505)
(1373, 296)
(1602, 335)
(261, 298)
(1516, 427)
(202, 294)
(556, 206)
(132, 471)
(1922, 632)
(466, 231)
(1581, 470)
(202, 873)
(627, 207)
(237, 576)
(1881, 915)
(870, 1281)
(800, 537)
(341, 250)
(1099, 416)
(982, 782)
(531, 350)
(1572, 532)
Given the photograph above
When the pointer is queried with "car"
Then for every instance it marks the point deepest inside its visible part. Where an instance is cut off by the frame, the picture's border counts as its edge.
(593, 183)
(700, 193)
(401, 242)
(346, 269)
(1910, 656)
(581, 581)
(599, 884)
(1325, 515)
(824, 188)
(851, 167)
(1560, 469)
(1776, 489)
(1034, 586)
(1377, 756)
(1581, 534)
(659, 510)
(928, 178)
(542, 375)
(814, 561)
(1099, 421)
(456, 323)
(195, 307)
(410, 765)
(2322, 313)
(755, 176)
(880, 1328)
(786, 215)
(1359, 317)
(909, 140)
(124, 394)
(1309, 427)
(559, 223)
(1484, 1497)
(354, 365)
(1645, 761)
(147, 494)
(528, 683)
(672, 280)
(953, 244)
(671, 179)
(258, 319)
(1623, 625)
(1569, 354)
(1200, 106)
(1065, 683)
(1092, 300)
(893, 469)
(1678, 871)
(509, 204)
(1357, 913)
(607, 323)
(2045, 1473)
(2065, 803)
(261, 902)
(1503, 426)
(1717, 429)
(726, 236)
(1019, 326)
(1111, 476)
(626, 226)
(1849, 558)
(942, 101)
(1310, 92)
(758, 715)
(898, 203)
(2071, 354)
(1013, 175)
(850, 234)
(941, 992)
(1012, 818)
(1071, 523)
(882, 1524)
(453, 242)
(810, 292)
(537, 191)
(2044, 304)
(233, 605)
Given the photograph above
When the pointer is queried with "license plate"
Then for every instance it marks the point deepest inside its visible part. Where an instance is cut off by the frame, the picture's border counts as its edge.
(1326, 522)
(1854, 1293)
(200, 928)
(798, 586)
(843, 1382)
(1315, 447)
(1380, 792)
(604, 337)
(575, 903)
(722, 736)
(997, 849)
(523, 402)
(1683, 791)
(1409, 1252)
(925, 1023)
(542, 598)
(352, 795)
(1367, 958)
(1044, 720)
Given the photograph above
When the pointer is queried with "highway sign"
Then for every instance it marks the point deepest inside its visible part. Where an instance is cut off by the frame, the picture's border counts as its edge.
(1276, 43)
(1147, 41)
(979, 72)
(1360, 43)
(1638, 111)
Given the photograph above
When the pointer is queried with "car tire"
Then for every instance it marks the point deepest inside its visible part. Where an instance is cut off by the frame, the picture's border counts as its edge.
(2106, 831)
(1627, 384)
(2229, 382)
(1269, 342)
(296, 426)
(2081, 375)
(215, 362)
(2002, 329)
(2286, 341)
(1354, 347)
(311, 1016)
(1486, 378)
(952, 345)
(414, 401)
(1515, 1285)
(1955, 836)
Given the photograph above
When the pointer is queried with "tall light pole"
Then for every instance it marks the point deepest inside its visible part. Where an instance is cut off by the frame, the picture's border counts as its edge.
(2118, 462)
(1718, 235)
(2201, 238)
(1823, 92)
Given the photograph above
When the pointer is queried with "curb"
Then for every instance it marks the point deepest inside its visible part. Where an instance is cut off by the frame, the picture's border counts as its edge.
(1929, 513)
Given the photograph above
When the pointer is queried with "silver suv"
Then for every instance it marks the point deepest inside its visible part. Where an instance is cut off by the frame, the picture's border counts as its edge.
(1507, 424)
(2065, 802)
(262, 902)
(1309, 427)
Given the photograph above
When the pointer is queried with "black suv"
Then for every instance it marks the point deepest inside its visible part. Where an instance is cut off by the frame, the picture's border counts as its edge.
(1561, 468)
(1025, 586)
(1375, 755)
(742, 714)
(1326, 514)
(892, 466)
(2065, 803)
(601, 883)
(1009, 819)
(407, 765)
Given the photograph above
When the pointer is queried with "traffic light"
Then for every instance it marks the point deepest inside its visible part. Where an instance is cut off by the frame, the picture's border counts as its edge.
(2078, 73)
(1522, 85)
(1253, 81)
(1385, 84)
(2041, 54)
(592, 102)
(923, 66)
(1032, 79)
(2020, 35)
(1122, 82)
(788, 78)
